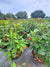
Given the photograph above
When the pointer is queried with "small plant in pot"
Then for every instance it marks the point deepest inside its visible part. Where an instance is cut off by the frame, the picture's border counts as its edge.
(16, 46)
(28, 39)
(40, 45)
(3, 42)
(3, 39)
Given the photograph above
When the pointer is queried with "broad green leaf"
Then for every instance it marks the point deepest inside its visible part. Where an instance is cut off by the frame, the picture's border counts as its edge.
(6, 44)
(16, 41)
(9, 54)
(4, 53)
(14, 50)
(36, 30)
(37, 46)
(21, 49)
(9, 47)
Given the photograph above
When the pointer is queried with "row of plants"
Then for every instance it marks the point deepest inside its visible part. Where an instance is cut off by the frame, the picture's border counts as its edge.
(18, 35)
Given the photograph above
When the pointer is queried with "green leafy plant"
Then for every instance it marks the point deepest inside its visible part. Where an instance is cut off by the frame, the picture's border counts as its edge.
(14, 43)
(40, 43)
(15, 34)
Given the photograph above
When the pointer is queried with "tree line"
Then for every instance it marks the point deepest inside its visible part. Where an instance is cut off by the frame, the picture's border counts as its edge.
(23, 15)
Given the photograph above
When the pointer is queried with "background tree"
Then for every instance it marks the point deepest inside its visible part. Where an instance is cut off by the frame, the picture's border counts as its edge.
(21, 15)
(38, 13)
(2, 16)
(10, 15)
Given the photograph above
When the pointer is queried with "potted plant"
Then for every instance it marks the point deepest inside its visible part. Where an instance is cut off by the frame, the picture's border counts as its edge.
(3, 39)
(4, 30)
(16, 45)
(40, 45)
(2, 42)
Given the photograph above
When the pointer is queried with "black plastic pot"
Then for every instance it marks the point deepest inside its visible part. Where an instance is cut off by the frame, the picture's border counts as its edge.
(4, 47)
(28, 45)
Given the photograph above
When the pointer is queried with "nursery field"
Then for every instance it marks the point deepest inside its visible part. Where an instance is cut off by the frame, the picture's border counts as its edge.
(25, 40)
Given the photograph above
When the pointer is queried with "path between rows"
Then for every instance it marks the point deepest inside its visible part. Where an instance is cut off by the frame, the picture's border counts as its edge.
(26, 61)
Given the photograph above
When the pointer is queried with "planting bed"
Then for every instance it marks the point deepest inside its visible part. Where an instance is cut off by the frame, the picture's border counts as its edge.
(18, 38)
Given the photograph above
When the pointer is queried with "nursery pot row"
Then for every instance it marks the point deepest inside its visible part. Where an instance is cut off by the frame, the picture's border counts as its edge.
(19, 56)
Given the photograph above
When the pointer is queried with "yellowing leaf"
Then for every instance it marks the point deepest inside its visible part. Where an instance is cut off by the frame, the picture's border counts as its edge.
(24, 64)
(19, 66)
